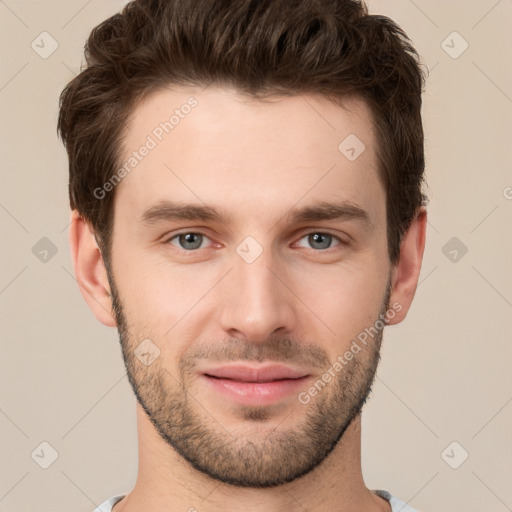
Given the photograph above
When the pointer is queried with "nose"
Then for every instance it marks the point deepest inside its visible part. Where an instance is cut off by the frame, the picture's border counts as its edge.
(257, 301)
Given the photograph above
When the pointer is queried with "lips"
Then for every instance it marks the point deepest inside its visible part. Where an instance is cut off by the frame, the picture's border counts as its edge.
(255, 386)
(244, 373)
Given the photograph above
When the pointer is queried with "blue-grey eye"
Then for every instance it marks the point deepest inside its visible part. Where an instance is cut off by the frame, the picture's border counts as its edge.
(188, 241)
(321, 241)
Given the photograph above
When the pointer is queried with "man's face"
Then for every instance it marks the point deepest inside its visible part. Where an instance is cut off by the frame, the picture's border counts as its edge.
(246, 313)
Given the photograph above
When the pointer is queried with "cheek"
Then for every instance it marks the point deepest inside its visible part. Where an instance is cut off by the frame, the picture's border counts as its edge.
(160, 299)
(345, 299)
(178, 301)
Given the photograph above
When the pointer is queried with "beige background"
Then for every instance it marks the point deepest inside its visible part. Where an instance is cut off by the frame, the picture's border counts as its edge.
(445, 374)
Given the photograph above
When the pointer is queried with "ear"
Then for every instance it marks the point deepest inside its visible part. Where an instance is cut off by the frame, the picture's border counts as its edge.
(406, 272)
(90, 271)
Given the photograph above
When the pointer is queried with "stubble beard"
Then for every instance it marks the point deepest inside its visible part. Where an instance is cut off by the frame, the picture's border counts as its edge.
(253, 454)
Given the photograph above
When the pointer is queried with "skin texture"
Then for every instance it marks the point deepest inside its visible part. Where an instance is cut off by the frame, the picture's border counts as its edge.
(298, 303)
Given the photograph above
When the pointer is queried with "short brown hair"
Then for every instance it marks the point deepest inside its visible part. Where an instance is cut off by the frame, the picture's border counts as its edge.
(263, 48)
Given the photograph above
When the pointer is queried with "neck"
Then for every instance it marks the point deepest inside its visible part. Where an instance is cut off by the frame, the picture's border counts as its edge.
(167, 482)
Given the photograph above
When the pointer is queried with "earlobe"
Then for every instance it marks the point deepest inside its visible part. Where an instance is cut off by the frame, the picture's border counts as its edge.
(406, 273)
(90, 270)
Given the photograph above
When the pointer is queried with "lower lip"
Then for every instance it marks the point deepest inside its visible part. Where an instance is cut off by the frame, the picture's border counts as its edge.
(256, 393)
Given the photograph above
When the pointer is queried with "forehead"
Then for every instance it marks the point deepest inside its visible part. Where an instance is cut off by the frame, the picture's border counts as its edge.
(217, 147)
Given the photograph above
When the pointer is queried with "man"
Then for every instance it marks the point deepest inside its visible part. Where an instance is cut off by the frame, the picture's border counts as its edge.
(245, 182)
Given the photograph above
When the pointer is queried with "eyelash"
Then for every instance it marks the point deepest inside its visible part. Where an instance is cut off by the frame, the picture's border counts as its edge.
(334, 237)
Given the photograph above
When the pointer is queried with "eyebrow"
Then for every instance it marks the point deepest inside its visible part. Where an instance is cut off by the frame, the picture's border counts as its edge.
(165, 211)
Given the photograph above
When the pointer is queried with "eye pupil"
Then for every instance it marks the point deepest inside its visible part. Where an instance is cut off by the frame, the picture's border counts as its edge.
(190, 240)
(322, 238)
